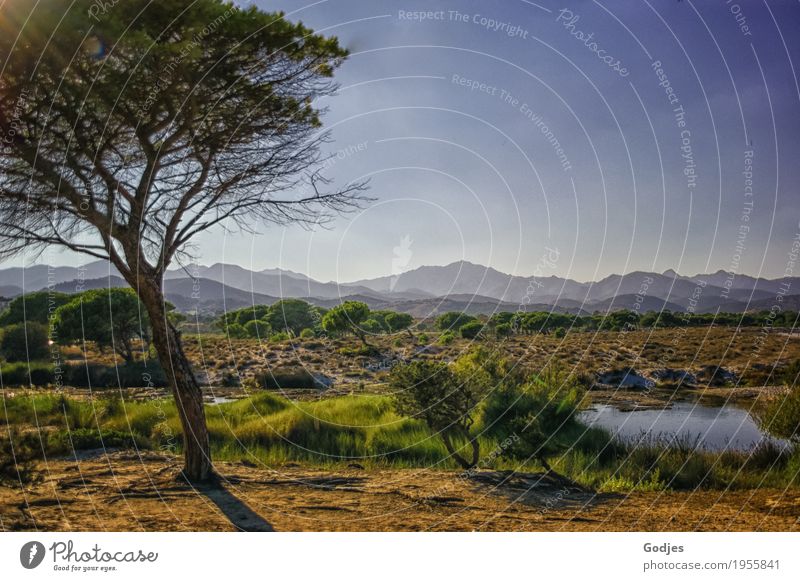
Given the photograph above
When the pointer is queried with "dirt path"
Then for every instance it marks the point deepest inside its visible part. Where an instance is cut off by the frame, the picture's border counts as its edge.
(125, 492)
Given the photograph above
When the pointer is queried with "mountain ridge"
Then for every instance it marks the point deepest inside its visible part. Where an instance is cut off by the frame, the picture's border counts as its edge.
(461, 282)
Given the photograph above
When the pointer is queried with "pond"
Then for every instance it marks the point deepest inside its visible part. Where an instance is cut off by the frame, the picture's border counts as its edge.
(713, 428)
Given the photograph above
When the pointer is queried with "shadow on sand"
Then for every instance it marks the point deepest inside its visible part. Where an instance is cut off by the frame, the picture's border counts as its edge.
(546, 490)
(241, 516)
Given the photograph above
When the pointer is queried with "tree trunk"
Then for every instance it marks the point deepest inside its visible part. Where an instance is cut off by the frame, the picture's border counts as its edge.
(188, 396)
(466, 465)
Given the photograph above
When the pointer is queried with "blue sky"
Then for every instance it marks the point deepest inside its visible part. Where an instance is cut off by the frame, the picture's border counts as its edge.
(493, 131)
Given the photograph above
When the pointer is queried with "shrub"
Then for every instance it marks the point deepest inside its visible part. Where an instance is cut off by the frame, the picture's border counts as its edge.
(18, 453)
(781, 417)
(430, 391)
(453, 320)
(26, 374)
(503, 330)
(25, 342)
(92, 438)
(532, 413)
(423, 339)
(289, 378)
(236, 331)
(278, 337)
(471, 330)
(135, 374)
(257, 329)
(446, 338)
(35, 307)
(307, 333)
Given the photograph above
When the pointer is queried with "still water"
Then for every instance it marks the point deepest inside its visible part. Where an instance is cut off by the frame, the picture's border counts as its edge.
(713, 428)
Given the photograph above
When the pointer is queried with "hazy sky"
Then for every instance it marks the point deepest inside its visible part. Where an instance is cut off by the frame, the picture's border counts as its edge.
(492, 131)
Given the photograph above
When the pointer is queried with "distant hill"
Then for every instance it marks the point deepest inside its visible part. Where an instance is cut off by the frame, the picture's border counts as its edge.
(428, 290)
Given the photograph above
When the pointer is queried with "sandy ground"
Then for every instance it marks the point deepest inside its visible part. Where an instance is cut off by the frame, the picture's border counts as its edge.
(126, 492)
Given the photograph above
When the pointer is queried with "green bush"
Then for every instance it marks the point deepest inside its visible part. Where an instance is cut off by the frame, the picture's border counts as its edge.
(453, 320)
(533, 414)
(431, 391)
(781, 416)
(256, 329)
(35, 307)
(503, 329)
(91, 438)
(288, 378)
(471, 330)
(307, 333)
(446, 338)
(18, 453)
(26, 374)
(25, 342)
(136, 374)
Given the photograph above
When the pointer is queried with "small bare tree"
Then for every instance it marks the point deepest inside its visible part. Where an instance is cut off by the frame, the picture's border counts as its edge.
(129, 128)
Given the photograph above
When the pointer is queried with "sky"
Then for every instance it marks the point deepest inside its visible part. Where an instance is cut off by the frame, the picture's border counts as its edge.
(575, 139)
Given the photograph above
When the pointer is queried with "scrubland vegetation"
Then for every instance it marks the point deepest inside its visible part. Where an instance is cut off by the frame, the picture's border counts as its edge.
(455, 393)
(528, 424)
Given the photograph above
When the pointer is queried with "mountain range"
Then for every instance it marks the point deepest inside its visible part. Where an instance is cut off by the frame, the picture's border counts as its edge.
(429, 290)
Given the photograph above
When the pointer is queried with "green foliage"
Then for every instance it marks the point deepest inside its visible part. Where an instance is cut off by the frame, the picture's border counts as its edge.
(397, 322)
(453, 321)
(471, 330)
(26, 373)
(243, 316)
(790, 375)
(501, 318)
(25, 342)
(36, 307)
(236, 331)
(503, 329)
(111, 317)
(347, 318)
(292, 316)
(534, 413)
(278, 337)
(40, 374)
(271, 429)
(288, 378)
(307, 334)
(372, 326)
(257, 329)
(781, 416)
(443, 398)
(430, 391)
(18, 453)
(446, 338)
(92, 438)
(134, 374)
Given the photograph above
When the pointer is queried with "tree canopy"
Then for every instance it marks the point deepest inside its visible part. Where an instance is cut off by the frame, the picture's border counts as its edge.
(110, 317)
(127, 133)
(347, 317)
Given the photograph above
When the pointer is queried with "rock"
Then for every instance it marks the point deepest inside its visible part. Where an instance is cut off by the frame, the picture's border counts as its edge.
(715, 375)
(627, 378)
(674, 376)
(324, 381)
